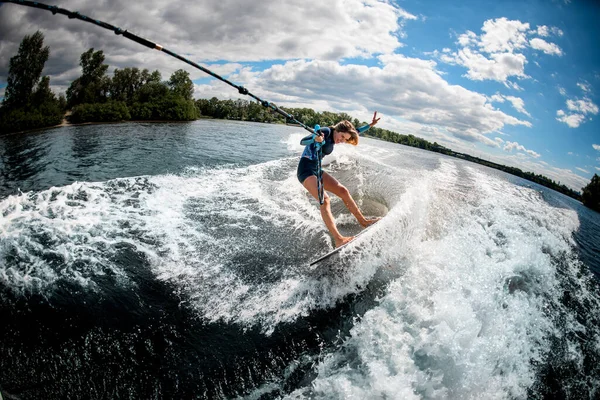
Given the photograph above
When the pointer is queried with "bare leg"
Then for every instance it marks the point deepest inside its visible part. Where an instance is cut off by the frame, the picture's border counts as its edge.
(332, 185)
(310, 184)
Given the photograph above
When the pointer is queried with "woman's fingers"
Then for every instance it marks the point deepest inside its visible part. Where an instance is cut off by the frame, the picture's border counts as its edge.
(375, 119)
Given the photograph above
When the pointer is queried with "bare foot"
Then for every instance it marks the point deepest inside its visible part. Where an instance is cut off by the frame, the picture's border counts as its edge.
(343, 240)
(368, 222)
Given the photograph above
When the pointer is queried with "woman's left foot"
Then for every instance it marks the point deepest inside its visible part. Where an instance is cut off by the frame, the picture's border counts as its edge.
(369, 222)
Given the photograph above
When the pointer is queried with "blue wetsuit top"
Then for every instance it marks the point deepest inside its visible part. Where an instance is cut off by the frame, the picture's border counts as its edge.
(310, 151)
(309, 161)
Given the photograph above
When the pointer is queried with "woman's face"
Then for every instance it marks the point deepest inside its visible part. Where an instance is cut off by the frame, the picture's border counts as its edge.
(340, 137)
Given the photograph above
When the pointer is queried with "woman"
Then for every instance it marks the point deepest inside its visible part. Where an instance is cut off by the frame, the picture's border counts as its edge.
(343, 132)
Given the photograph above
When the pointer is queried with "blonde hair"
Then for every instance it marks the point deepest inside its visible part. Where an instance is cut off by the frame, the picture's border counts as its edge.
(347, 127)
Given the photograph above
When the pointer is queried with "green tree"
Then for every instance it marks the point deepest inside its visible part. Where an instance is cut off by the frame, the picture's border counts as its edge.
(110, 111)
(127, 82)
(62, 102)
(124, 83)
(29, 103)
(255, 110)
(93, 85)
(24, 71)
(591, 194)
(42, 93)
(153, 77)
(152, 92)
(181, 84)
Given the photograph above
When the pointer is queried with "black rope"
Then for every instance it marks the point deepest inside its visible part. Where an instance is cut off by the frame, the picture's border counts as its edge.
(320, 187)
(155, 46)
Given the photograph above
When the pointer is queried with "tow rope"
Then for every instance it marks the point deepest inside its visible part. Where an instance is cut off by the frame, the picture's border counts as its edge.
(320, 188)
(155, 46)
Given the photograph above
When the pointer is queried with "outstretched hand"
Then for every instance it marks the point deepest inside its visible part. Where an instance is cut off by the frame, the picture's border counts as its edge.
(375, 119)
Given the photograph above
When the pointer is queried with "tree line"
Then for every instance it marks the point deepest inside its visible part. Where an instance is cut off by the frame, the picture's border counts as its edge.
(130, 93)
(134, 94)
(591, 193)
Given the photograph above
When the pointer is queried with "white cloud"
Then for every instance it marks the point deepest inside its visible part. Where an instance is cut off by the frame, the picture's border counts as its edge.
(224, 69)
(408, 88)
(585, 106)
(543, 30)
(499, 67)
(572, 120)
(497, 54)
(582, 170)
(596, 146)
(510, 146)
(497, 98)
(578, 112)
(517, 103)
(513, 85)
(585, 86)
(468, 38)
(548, 48)
(546, 31)
(562, 91)
(503, 35)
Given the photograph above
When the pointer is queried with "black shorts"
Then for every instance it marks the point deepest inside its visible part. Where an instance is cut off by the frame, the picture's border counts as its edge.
(306, 168)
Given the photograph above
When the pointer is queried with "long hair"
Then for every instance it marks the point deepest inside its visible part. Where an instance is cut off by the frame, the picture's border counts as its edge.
(347, 127)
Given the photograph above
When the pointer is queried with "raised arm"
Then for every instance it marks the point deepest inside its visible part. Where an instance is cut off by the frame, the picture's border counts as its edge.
(373, 123)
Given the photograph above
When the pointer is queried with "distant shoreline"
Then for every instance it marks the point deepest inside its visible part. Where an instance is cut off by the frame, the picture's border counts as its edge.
(65, 123)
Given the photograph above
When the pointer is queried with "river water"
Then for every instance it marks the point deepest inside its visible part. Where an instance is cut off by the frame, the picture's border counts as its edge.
(168, 261)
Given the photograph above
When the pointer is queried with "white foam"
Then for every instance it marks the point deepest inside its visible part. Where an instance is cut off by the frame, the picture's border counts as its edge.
(220, 294)
(451, 326)
(45, 234)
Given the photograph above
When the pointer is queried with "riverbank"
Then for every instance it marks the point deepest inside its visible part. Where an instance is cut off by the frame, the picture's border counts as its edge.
(65, 122)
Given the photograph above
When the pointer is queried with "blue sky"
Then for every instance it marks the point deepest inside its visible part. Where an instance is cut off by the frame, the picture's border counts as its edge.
(553, 79)
(515, 82)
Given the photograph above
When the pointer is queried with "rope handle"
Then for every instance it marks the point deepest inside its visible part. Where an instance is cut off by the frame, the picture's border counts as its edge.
(316, 133)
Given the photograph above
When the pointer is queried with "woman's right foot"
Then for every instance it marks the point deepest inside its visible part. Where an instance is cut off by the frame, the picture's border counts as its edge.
(343, 240)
